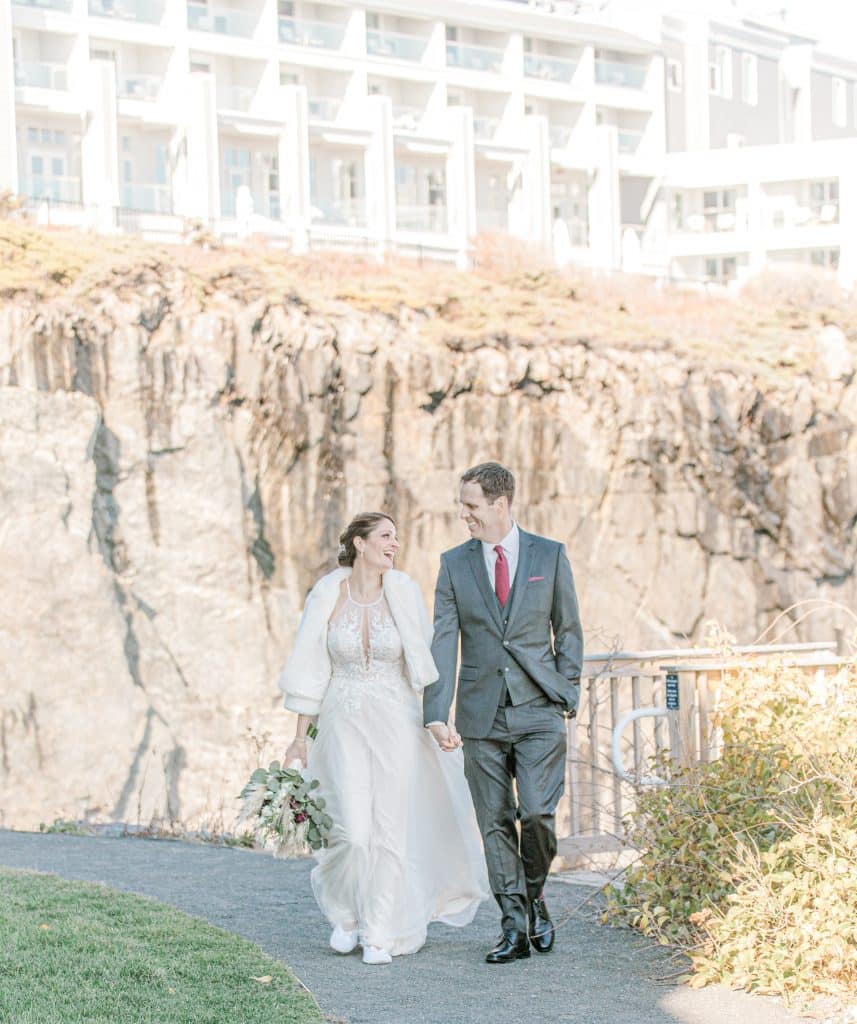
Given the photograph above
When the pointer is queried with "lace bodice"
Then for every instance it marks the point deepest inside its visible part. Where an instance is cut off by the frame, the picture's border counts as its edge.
(366, 654)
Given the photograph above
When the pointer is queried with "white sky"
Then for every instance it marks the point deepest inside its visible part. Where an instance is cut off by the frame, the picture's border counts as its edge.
(834, 22)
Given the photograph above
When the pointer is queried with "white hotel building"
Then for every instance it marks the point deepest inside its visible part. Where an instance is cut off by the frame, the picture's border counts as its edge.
(694, 149)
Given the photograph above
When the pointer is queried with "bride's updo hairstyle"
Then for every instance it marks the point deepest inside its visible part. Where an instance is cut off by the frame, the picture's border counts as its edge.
(360, 526)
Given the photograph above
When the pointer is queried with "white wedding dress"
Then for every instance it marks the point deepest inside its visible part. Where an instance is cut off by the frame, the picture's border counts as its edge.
(404, 848)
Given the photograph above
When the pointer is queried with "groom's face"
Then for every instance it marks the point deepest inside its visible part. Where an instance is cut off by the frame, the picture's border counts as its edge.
(485, 521)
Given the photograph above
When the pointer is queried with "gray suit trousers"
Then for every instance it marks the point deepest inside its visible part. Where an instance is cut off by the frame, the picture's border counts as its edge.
(527, 744)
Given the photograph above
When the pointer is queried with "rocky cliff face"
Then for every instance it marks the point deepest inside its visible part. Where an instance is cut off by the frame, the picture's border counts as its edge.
(176, 470)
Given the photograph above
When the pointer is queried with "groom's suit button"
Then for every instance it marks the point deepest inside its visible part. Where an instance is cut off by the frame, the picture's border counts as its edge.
(505, 643)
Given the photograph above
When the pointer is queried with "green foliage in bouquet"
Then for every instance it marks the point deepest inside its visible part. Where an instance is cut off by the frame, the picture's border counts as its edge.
(278, 805)
(749, 863)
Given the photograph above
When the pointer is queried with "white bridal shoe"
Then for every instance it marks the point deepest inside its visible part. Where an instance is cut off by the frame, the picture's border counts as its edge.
(342, 941)
(376, 955)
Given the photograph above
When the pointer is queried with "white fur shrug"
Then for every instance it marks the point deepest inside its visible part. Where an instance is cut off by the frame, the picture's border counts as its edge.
(306, 674)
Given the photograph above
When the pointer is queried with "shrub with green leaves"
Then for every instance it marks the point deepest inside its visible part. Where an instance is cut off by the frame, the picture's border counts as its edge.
(749, 863)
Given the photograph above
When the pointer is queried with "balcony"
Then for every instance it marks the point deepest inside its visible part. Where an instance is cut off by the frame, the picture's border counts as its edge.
(626, 76)
(395, 45)
(349, 213)
(39, 75)
(549, 69)
(46, 5)
(55, 189)
(147, 198)
(474, 58)
(406, 118)
(139, 87)
(485, 128)
(319, 34)
(225, 22)
(421, 218)
(628, 141)
(235, 97)
(147, 11)
(324, 108)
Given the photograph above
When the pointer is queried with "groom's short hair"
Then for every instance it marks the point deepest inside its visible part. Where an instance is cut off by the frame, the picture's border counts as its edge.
(495, 480)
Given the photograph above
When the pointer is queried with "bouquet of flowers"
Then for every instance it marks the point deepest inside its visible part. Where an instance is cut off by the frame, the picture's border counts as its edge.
(278, 806)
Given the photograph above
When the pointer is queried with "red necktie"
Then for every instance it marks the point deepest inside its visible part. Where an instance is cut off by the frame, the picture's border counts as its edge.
(501, 577)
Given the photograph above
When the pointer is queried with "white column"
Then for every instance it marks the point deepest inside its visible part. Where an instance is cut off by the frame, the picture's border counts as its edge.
(293, 159)
(8, 142)
(532, 220)
(696, 97)
(100, 145)
(380, 171)
(197, 183)
(461, 179)
(604, 207)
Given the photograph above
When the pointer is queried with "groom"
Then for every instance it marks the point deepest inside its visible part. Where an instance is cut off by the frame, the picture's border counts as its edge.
(509, 596)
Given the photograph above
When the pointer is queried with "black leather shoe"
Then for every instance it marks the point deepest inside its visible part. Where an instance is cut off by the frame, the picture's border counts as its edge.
(512, 946)
(542, 931)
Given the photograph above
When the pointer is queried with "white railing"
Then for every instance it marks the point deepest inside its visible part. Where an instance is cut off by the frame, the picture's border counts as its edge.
(59, 189)
(341, 212)
(421, 218)
(323, 108)
(485, 128)
(40, 75)
(227, 22)
(550, 69)
(626, 76)
(474, 58)
(322, 34)
(628, 140)
(147, 198)
(395, 45)
(47, 5)
(139, 87)
(149, 11)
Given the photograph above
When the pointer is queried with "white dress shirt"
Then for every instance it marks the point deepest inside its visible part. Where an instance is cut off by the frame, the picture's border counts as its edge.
(511, 545)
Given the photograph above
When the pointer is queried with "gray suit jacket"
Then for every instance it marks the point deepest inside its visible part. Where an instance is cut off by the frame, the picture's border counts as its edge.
(532, 647)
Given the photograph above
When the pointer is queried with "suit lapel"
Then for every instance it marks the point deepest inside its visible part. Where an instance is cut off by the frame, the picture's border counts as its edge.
(522, 574)
(480, 573)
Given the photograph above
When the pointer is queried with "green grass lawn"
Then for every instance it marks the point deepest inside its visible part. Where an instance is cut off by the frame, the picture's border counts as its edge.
(75, 953)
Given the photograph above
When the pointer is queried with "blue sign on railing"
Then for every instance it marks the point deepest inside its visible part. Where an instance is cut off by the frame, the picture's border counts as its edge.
(672, 691)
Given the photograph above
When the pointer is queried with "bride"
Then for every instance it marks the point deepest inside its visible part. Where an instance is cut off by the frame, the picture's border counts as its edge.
(404, 848)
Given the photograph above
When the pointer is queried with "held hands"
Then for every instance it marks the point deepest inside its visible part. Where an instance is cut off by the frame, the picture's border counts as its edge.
(296, 752)
(446, 736)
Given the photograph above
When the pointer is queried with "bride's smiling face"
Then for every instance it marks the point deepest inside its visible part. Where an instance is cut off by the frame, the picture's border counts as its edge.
(378, 550)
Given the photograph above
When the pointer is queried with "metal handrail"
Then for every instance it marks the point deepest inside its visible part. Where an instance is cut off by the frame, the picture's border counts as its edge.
(616, 746)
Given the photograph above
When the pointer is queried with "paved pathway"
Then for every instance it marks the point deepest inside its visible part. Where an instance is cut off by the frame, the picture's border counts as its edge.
(595, 975)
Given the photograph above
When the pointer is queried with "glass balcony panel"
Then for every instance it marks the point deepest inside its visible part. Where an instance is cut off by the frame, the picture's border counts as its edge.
(139, 87)
(628, 140)
(323, 108)
(147, 198)
(47, 5)
(560, 136)
(39, 75)
(58, 189)
(149, 11)
(551, 69)
(321, 34)
(394, 44)
(340, 212)
(626, 76)
(223, 22)
(485, 127)
(474, 58)
(421, 218)
(235, 97)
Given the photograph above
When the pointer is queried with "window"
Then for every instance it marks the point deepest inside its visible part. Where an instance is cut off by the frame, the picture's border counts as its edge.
(824, 201)
(200, 65)
(750, 78)
(677, 211)
(285, 9)
(373, 21)
(828, 258)
(720, 73)
(451, 34)
(718, 210)
(674, 75)
(289, 78)
(840, 103)
(721, 269)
